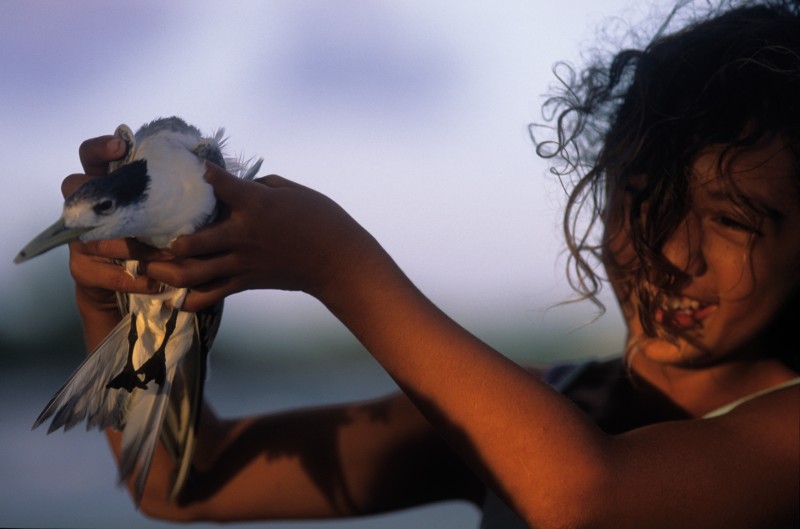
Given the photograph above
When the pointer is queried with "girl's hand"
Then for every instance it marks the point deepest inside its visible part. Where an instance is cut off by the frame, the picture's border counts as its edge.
(274, 234)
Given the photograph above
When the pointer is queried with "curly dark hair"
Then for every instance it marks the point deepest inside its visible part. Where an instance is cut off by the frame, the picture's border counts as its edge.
(628, 129)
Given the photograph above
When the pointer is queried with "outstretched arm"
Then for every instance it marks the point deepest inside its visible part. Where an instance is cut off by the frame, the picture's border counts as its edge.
(539, 452)
(325, 462)
(533, 446)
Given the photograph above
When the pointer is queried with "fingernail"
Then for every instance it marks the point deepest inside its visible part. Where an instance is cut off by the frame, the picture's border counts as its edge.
(116, 145)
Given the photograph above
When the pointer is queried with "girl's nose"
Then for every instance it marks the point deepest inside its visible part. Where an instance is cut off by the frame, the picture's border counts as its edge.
(684, 248)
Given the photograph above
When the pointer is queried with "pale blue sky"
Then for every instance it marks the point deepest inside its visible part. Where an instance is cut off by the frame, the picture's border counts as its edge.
(412, 114)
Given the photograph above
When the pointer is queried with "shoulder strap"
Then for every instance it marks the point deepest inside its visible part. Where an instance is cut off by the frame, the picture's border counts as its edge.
(731, 405)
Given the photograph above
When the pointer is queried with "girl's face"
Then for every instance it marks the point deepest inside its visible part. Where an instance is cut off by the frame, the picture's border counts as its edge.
(743, 264)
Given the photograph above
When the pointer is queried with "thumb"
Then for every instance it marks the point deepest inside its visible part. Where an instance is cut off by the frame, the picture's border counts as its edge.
(95, 153)
(73, 182)
(274, 180)
(227, 187)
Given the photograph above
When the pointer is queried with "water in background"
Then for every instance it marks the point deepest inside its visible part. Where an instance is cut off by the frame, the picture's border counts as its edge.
(67, 480)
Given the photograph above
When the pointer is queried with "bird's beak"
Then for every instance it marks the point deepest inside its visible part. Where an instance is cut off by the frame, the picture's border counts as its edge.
(55, 235)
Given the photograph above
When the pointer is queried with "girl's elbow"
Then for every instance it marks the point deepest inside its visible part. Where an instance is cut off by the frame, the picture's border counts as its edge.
(157, 505)
(162, 509)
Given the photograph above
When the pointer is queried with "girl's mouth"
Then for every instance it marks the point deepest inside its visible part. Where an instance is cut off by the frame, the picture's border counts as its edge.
(682, 311)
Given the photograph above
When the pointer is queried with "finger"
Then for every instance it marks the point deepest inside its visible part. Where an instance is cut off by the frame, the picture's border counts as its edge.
(230, 189)
(227, 188)
(209, 294)
(123, 249)
(212, 239)
(274, 180)
(96, 274)
(95, 153)
(71, 183)
(192, 272)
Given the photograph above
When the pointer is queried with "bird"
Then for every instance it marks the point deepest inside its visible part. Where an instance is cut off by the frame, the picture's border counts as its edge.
(146, 377)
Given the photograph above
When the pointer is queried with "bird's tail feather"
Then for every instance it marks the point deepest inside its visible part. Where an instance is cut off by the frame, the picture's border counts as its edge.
(246, 169)
(180, 428)
(251, 169)
(146, 412)
(84, 395)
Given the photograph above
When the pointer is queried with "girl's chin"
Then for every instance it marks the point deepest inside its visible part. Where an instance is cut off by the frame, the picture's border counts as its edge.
(678, 354)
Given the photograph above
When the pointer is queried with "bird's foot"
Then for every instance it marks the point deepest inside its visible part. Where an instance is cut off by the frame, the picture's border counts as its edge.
(127, 379)
(155, 368)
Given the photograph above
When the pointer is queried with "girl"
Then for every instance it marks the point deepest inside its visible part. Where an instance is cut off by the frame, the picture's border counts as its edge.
(686, 158)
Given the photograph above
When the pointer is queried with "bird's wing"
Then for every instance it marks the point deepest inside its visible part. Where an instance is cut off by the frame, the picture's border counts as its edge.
(180, 427)
(186, 402)
(146, 412)
(84, 395)
(250, 169)
(208, 321)
(213, 150)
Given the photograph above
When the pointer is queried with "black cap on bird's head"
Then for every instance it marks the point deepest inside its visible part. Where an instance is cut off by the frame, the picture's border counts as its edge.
(123, 187)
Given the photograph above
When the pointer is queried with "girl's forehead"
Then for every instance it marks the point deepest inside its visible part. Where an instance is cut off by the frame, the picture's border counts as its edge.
(768, 173)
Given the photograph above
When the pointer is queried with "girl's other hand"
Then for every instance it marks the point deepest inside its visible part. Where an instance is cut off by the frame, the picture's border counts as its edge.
(274, 233)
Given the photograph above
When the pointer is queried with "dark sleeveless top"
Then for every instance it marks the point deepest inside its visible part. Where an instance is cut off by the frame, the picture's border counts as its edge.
(614, 399)
(617, 401)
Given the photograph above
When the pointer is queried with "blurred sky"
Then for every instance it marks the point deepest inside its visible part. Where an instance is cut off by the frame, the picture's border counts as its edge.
(412, 114)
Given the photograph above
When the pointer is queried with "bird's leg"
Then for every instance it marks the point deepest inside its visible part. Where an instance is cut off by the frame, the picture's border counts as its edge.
(155, 368)
(127, 378)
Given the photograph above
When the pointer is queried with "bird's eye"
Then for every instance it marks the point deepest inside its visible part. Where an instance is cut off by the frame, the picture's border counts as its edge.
(103, 208)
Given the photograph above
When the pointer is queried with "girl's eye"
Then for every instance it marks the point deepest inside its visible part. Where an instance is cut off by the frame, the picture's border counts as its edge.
(738, 225)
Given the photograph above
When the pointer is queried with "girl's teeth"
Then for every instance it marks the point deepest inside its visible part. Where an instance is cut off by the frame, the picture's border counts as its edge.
(681, 303)
(682, 311)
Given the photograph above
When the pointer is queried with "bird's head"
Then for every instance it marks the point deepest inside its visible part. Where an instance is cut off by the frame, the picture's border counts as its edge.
(155, 193)
(102, 208)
